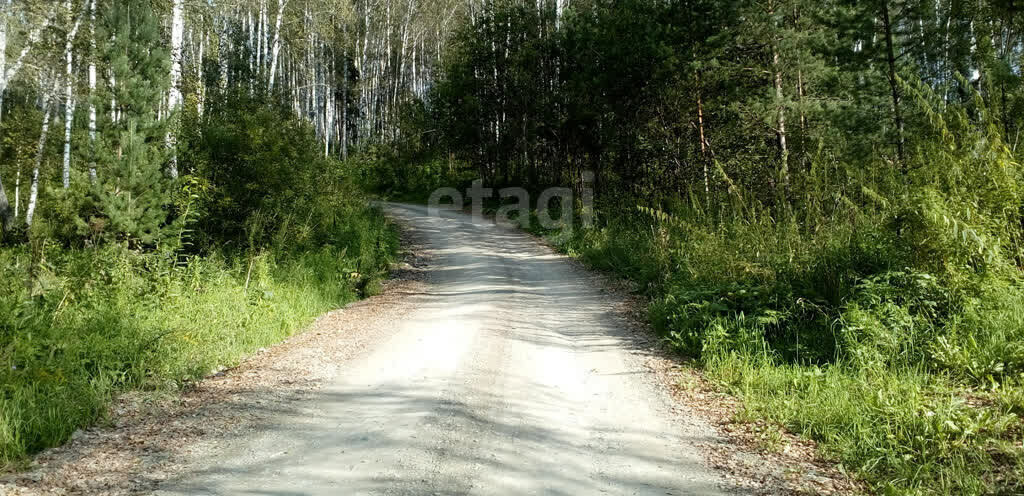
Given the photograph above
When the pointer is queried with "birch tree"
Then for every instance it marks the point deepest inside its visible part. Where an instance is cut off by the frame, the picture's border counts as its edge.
(69, 103)
(780, 104)
(92, 90)
(33, 195)
(276, 44)
(6, 216)
(8, 73)
(174, 100)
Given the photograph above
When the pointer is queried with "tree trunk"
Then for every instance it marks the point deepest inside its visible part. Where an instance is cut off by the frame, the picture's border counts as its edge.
(174, 100)
(17, 192)
(114, 115)
(329, 101)
(276, 45)
(259, 36)
(6, 216)
(705, 158)
(344, 96)
(780, 118)
(222, 53)
(69, 103)
(92, 90)
(33, 195)
(897, 112)
(3, 57)
(201, 101)
(800, 93)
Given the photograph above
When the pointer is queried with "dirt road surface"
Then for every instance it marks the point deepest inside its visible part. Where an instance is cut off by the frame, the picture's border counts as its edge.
(510, 374)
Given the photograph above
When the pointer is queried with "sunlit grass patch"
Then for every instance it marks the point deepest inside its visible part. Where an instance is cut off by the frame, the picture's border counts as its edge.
(105, 320)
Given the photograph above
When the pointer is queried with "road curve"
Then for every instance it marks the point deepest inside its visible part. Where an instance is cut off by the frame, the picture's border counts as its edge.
(512, 375)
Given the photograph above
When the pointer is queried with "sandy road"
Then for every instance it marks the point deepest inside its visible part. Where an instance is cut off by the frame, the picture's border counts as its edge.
(512, 374)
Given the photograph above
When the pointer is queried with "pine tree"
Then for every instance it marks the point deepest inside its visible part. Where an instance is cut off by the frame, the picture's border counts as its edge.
(132, 196)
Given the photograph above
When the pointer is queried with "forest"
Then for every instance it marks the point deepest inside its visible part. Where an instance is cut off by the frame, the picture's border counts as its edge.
(820, 201)
(172, 191)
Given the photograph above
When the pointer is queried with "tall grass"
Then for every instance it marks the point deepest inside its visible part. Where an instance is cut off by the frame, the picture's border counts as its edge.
(882, 317)
(79, 325)
(909, 380)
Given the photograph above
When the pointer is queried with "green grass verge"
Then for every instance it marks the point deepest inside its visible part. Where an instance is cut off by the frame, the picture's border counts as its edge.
(911, 382)
(84, 324)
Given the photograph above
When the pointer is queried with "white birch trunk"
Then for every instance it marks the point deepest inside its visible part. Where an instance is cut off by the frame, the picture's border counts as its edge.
(17, 193)
(69, 103)
(222, 54)
(92, 90)
(6, 218)
(344, 97)
(199, 70)
(174, 100)
(780, 120)
(33, 194)
(112, 80)
(5, 206)
(259, 35)
(276, 46)
(3, 57)
(331, 102)
(250, 30)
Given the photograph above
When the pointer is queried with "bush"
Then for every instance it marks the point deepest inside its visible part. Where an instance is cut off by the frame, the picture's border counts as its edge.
(908, 377)
(261, 235)
(258, 168)
(889, 330)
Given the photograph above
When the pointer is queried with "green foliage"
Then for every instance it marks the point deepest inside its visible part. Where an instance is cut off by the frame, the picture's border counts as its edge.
(98, 321)
(130, 201)
(257, 166)
(887, 326)
(402, 176)
(905, 431)
(137, 281)
(261, 182)
(133, 198)
(985, 344)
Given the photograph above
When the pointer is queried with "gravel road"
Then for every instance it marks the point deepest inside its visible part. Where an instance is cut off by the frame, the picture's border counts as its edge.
(511, 373)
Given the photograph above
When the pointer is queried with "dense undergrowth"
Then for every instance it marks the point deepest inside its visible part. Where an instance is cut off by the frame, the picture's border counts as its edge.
(106, 320)
(262, 235)
(909, 380)
(890, 329)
